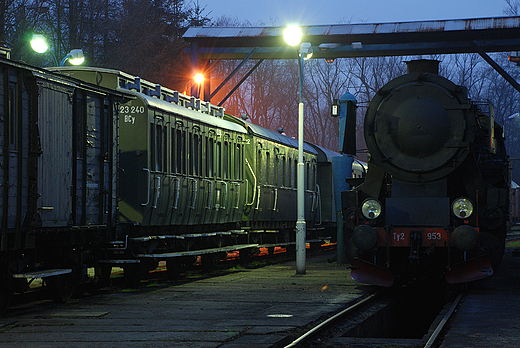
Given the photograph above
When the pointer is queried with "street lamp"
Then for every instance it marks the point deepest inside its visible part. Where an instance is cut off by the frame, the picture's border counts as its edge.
(39, 45)
(292, 36)
(75, 57)
(199, 79)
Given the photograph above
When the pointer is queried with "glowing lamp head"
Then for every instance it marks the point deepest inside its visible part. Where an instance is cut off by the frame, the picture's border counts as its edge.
(76, 57)
(38, 43)
(292, 35)
(199, 78)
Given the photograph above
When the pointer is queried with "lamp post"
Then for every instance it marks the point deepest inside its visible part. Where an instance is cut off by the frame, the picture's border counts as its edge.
(292, 36)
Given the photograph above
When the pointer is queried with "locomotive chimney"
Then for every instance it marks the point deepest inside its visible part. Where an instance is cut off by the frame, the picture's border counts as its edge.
(423, 66)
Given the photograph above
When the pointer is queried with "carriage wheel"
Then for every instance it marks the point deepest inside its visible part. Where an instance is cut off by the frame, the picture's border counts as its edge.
(6, 293)
(103, 275)
(61, 287)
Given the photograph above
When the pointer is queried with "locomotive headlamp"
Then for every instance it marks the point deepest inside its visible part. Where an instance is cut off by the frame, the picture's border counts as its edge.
(462, 208)
(371, 208)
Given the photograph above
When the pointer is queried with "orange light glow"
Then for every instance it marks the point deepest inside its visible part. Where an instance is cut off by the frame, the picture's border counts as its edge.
(199, 78)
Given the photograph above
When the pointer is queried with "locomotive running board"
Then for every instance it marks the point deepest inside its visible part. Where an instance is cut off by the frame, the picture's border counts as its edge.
(365, 272)
(471, 270)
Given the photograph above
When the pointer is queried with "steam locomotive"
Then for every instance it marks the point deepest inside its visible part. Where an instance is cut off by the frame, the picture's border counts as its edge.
(99, 168)
(434, 201)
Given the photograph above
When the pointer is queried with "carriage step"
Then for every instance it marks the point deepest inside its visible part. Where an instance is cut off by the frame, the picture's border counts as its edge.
(42, 274)
(149, 238)
(199, 252)
(119, 262)
(276, 245)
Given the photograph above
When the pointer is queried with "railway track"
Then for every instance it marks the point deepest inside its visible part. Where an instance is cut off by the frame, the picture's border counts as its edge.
(371, 322)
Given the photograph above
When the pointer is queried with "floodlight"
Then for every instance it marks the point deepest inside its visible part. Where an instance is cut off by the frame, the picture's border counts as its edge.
(292, 35)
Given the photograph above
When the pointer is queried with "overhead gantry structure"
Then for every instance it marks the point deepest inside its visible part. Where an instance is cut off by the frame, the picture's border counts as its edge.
(479, 35)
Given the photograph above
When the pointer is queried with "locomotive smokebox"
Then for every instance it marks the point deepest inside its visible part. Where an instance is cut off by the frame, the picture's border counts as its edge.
(423, 66)
(417, 127)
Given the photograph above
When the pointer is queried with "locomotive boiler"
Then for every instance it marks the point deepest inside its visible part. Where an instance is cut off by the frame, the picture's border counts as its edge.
(435, 198)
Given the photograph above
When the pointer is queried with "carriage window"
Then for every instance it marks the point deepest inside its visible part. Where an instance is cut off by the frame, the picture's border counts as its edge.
(160, 147)
(284, 175)
(181, 151)
(259, 166)
(210, 153)
(268, 168)
(219, 160)
(307, 176)
(238, 161)
(173, 160)
(226, 161)
(190, 154)
(196, 154)
(289, 174)
(295, 173)
(276, 171)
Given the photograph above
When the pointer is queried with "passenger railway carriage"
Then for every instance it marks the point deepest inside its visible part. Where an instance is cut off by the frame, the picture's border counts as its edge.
(100, 168)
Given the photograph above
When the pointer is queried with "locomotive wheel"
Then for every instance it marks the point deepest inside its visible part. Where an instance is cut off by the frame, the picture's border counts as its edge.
(61, 287)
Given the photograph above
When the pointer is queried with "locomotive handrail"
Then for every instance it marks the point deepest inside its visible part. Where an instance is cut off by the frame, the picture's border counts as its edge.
(194, 192)
(210, 200)
(148, 192)
(157, 191)
(226, 195)
(254, 186)
(177, 190)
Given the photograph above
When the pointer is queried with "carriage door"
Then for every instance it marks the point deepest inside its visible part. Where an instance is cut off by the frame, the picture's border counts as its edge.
(183, 186)
(158, 142)
(55, 162)
(92, 171)
(194, 174)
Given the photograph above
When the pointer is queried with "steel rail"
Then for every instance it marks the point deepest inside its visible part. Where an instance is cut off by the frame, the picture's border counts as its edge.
(329, 321)
(443, 322)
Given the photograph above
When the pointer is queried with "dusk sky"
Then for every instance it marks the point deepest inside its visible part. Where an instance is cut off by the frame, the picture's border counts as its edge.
(315, 12)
